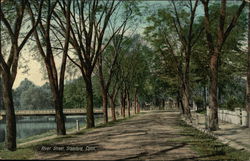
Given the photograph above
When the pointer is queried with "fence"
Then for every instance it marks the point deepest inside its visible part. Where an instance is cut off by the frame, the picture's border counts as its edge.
(238, 116)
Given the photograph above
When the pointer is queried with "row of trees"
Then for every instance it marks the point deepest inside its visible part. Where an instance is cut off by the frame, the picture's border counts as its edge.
(200, 50)
(84, 35)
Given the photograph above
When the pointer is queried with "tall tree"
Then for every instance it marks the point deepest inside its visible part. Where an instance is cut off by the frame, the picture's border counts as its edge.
(89, 38)
(113, 92)
(248, 70)
(1, 94)
(133, 71)
(9, 61)
(188, 39)
(106, 81)
(45, 37)
(181, 22)
(215, 45)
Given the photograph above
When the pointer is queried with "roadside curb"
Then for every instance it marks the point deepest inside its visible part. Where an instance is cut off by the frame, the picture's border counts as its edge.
(222, 139)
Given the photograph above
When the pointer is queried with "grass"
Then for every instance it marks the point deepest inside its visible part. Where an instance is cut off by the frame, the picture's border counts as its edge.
(28, 151)
(35, 137)
(208, 148)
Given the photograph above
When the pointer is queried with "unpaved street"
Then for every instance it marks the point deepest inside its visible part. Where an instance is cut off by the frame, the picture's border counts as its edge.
(145, 137)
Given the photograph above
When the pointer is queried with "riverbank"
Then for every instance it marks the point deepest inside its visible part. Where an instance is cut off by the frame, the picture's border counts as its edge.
(30, 133)
(27, 147)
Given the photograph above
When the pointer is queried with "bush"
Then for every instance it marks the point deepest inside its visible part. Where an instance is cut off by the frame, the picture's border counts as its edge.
(199, 102)
(231, 103)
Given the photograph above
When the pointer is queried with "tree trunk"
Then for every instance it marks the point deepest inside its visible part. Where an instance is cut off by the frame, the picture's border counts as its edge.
(179, 99)
(57, 98)
(90, 105)
(112, 106)
(105, 105)
(178, 104)
(123, 102)
(1, 94)
(123, 108)
(204, 97)
(121, 111)
(212, 112)
(10, 139)
(129, 104)
(104, 90)
(135, 101)
(248, 71)
(163, 104)
(186, 107)
(186, 91)
(219, 93)
(59, 117)
(138, 105)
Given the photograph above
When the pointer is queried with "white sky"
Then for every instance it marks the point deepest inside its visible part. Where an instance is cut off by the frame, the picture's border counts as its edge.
(34, 74)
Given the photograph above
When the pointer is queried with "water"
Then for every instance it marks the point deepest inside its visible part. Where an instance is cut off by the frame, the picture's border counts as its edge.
(35, 125)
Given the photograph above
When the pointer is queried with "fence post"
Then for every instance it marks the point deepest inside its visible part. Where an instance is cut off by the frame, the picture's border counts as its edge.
(206, 118)
(238, 114)
(197, 119)
(195, 108)
(77, 125)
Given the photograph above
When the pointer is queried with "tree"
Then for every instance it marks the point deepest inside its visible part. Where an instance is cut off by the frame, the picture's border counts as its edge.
(74, 94)
(231, 62)
(105, 82)
(187, 44)
(24, 86)
(90, 22)
(1, 95)
(107, 62)
(248, 70)
(39, 100)
(9, 61)
(133, 72)
(181, 22)
(112, 93)
(110, 68)
(215, 46)
(43, 37)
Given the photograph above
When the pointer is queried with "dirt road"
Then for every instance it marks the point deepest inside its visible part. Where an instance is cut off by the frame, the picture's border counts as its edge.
(148, 136)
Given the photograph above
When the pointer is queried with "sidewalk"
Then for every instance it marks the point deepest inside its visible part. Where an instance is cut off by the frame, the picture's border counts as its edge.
(233, 135)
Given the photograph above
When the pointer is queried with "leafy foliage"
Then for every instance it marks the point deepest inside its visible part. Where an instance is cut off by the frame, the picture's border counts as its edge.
(74, 94)
(30, 96)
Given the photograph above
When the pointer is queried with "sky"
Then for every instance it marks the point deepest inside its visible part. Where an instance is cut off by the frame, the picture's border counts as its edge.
(34, 74)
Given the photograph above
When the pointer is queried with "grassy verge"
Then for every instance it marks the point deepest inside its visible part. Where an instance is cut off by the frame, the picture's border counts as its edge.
(208, 148)
(31, 138)
(28, 151)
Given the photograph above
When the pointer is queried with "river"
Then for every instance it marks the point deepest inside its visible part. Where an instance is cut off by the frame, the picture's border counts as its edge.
(35, 125)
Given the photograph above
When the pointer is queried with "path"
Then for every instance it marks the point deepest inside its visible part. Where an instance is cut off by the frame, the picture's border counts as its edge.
(235, 136)
(149, 137)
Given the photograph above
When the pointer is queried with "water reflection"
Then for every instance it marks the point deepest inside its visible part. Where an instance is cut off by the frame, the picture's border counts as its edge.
(35, 125)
